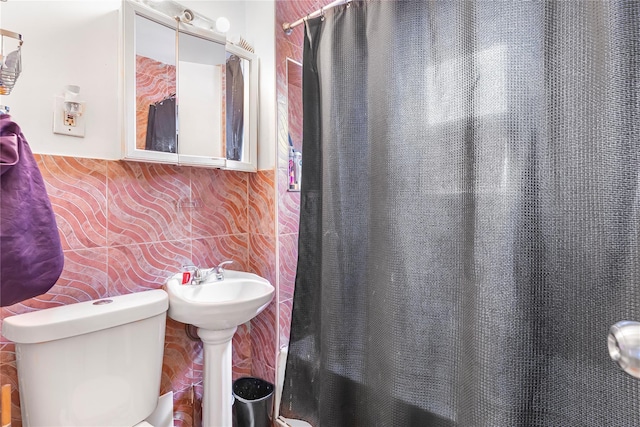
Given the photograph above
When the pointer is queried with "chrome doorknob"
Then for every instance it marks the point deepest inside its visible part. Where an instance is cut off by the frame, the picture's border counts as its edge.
(624, 346)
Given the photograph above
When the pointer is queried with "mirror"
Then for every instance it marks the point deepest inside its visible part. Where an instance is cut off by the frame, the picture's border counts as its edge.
(294, 118)
(155, 86)
(235, 102)
(190, 97)
(173, 89)
(241, 113)
(200, 67)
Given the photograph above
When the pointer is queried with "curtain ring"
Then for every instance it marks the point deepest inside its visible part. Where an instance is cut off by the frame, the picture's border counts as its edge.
(322, 13)
(348, 4)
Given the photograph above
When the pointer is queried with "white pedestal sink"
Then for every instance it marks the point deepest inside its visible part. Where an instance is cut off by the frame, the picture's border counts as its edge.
(216, 308)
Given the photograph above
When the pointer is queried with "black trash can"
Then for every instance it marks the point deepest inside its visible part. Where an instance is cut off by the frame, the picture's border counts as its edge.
(253, 399)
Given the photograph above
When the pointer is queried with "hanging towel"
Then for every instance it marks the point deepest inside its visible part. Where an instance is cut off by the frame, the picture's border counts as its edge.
(31, 258)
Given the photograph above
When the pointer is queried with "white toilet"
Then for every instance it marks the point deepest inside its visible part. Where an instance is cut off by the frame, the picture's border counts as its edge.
(95, 363)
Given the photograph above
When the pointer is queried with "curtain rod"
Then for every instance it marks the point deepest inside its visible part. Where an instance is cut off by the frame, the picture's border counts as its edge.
(288, 27)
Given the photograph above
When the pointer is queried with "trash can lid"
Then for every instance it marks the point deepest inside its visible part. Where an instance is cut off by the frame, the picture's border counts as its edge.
(249, 388)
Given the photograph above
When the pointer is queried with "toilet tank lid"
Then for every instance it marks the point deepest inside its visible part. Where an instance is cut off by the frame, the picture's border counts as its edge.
(84, 317)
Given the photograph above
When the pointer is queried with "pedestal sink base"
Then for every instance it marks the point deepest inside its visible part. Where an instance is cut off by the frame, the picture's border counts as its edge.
(217, 382)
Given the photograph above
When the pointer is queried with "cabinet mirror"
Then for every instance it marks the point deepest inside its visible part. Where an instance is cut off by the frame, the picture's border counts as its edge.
(190, 97)
(294, 121)
(200, 84)
(150, 87)
(241, 115)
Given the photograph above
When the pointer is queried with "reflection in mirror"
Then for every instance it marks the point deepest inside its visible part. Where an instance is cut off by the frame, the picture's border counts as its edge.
(200, 70)
(236, 99)
(155, 86)
(294, 118)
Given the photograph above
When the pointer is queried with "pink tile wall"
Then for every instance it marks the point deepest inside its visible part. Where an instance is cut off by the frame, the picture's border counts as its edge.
(126, 226)
(262, 255)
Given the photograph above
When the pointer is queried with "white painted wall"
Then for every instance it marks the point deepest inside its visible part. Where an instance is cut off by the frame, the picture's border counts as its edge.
(66, 42)
(78, 42)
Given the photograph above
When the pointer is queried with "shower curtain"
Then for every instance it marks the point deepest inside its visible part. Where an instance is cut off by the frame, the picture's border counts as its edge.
(469, 215)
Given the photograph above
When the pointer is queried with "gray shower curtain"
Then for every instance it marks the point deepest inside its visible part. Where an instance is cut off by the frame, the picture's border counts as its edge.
(469, 215)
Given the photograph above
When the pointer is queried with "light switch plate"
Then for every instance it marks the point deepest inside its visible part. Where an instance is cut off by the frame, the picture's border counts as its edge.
(62, 124)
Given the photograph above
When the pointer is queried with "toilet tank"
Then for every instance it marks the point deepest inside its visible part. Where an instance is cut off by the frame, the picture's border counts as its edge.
(94, 363)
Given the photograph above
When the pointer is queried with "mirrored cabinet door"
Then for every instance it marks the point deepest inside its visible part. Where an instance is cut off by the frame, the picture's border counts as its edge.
(200, 107)
(155, 87)
(150, 88)
(235, 69)
(241, 113)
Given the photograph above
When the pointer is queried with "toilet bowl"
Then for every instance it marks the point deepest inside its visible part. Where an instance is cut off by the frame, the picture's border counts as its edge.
(94, 363)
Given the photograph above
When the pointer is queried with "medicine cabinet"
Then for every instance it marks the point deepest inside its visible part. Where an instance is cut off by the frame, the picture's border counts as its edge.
(190, 97)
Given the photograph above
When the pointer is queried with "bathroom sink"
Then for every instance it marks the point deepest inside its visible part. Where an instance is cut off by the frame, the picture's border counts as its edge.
(217, 308)
(218, 304)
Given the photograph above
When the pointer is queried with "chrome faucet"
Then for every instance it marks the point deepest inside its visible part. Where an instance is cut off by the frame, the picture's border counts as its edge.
(200, 275)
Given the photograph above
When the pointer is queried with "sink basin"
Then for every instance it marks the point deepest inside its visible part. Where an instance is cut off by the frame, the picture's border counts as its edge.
(218, 304)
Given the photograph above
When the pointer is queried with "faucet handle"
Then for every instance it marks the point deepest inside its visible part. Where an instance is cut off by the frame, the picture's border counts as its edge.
(219, 271)
(223, 263)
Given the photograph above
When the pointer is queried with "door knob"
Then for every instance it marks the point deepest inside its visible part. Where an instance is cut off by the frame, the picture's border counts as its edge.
(624, 346)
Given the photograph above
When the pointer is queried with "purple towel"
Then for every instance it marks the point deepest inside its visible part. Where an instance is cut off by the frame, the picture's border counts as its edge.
(31, 257)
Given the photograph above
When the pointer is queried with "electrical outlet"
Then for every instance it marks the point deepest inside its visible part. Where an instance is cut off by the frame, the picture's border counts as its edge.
(69, 120)
(65, 124)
